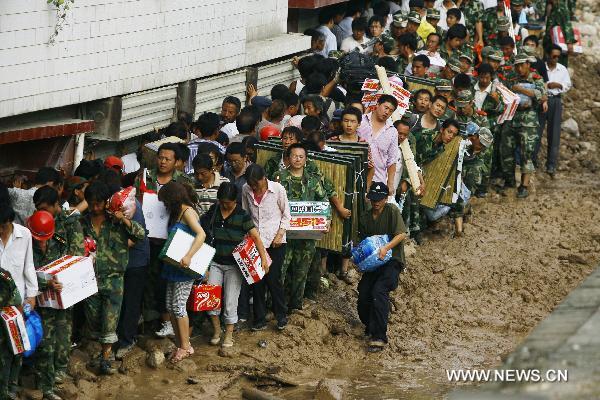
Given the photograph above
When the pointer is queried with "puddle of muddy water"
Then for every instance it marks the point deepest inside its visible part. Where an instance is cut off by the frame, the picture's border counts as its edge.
(393, 382)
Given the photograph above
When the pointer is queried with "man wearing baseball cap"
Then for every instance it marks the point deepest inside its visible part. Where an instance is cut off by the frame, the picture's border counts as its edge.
(375, 286)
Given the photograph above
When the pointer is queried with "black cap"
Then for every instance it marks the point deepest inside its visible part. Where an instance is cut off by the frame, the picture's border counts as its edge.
(378, 191)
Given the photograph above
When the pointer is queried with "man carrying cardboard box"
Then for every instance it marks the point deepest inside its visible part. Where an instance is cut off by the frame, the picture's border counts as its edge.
(9, 296)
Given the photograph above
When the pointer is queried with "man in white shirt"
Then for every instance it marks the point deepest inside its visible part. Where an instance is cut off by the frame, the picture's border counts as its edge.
(16, 255)
(358, 38)
(22, 199)
(444, 6)
(325, 27)
(559, 82)
(352, 14)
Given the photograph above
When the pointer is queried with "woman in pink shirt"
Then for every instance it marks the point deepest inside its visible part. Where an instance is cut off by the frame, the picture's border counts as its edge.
(266, 202)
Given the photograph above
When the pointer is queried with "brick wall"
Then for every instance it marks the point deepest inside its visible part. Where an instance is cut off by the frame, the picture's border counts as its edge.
(114, 47)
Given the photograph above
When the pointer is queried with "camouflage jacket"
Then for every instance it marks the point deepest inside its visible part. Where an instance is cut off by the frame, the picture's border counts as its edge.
(492, 110)
(561, 16)
(311, 187)
(474, 13)
(490, 26)
(423, 142)
(9, 294)
(67, 240)
(112, 250)
(528, 117)
(273, 166)
(477, 118)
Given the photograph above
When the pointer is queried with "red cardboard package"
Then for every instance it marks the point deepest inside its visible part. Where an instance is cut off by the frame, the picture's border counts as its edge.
(15, 327)
(205, 298)
(247, 257)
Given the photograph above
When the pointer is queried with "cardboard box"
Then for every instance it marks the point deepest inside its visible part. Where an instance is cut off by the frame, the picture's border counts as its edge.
(15, 326)
(205, 298)
(77, 277)
(558, 38)
(247, 257)
(511, 103)
(310, 219)
(178, 244)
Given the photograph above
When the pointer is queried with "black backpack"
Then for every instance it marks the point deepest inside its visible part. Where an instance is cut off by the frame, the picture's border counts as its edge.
(355, 67)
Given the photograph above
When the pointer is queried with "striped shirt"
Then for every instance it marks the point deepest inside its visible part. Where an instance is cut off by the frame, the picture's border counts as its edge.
(208, 196)
(228, 232)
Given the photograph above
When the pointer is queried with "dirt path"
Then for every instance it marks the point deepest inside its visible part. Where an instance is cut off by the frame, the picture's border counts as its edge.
(462, 303)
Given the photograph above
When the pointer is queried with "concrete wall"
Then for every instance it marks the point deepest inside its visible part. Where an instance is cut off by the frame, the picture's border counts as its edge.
(115, 47)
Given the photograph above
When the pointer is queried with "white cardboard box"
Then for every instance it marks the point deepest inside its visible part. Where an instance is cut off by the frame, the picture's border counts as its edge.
(180, 244)
(76, 274)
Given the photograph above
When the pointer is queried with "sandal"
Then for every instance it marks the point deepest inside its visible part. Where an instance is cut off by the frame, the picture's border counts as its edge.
(179, 354)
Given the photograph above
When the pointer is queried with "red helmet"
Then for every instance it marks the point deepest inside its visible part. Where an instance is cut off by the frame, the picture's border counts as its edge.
(268, 131)
(41, 225)
(115, 163)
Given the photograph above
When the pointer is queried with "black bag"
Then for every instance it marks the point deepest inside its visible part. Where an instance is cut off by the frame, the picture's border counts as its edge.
(207, 221)
(355, 67)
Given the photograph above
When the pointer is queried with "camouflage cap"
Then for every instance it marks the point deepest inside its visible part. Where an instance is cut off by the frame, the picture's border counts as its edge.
(464, 98)
(530, 51)
(454, 64)
(503, 23)
(472, 128)
(466, 53)
(400, 20)
(336, 53)
(443, 85)
(517, 2)
(388, 42)
(496, 55)
(433, 13)
(415, 17)
(521, 58)
(486, 51)
(485, 137)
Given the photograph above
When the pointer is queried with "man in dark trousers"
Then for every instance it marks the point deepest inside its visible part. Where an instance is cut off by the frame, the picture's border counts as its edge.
(374, 287)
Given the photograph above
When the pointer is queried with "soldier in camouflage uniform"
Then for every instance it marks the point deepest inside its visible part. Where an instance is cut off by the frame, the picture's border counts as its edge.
(491, 107)
(474, 163)
(52, 356)
(466, 112)
(501, 29)
(111, 233)
(530, 87)
(411, 210)
(300, 185)
(443, 87)
(559, 16)
(414, 21)
(9, 363)
(473, 12)
(433, 17)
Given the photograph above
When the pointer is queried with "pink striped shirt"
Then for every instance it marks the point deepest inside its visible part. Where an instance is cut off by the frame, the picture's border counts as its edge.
(271, 214)
(384, 146)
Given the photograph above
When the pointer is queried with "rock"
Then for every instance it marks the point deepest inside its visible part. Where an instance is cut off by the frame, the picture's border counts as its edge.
(67, 391)
(32, 394)
(133, 361)
(224, 352)
(76, 367)
(570, 126)
(164, 345)
(330, 389)
(586, 146)
(437, 268)
(155, 358)
(573, 258)
(88, 388)
(192, 380)
(186, 365)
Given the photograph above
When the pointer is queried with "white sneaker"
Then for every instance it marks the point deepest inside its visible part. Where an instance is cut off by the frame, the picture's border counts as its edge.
(165, 330)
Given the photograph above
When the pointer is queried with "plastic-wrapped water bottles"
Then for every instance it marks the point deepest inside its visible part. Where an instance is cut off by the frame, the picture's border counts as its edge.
(366, 254)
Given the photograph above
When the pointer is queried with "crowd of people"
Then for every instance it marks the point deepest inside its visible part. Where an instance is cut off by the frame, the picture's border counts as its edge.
(212, 188)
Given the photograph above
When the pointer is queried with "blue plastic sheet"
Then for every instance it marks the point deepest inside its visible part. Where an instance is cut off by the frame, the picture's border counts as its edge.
(35, 331)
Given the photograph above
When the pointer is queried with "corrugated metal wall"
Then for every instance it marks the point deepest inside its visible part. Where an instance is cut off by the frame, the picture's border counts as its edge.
(211, 91)
(144, 111)
(272, 74)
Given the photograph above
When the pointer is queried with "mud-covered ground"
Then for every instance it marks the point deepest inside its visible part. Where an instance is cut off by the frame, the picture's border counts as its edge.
(462, 303)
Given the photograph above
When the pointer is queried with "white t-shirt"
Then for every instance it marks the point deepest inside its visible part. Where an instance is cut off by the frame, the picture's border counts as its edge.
(130, 163)
(350, 44)
(439, 4)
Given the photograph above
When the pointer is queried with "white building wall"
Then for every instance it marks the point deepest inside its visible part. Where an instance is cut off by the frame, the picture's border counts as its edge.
(115, 47)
